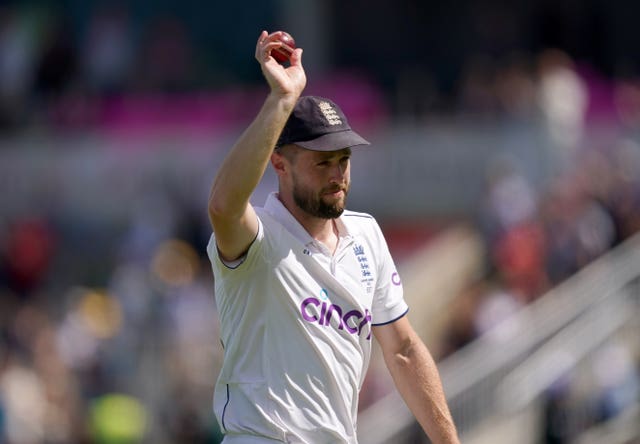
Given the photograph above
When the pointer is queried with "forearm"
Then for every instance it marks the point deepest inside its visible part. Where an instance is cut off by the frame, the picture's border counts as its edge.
(244, 166)
(417, 379)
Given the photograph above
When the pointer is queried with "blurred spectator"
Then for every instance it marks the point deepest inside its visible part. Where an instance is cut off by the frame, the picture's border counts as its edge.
(563, 98)
(516, 87)
(492, 87)
(18, 45)
(623, 197)
(617, 381)
(461, 321)
(558, 423)
(151, 221)
(578, 227)
(496, 304)
(477, 89)
(109, 49)
(166, 57)
(28, 253)
(510, 199)
(627, 101)
(519, 258)
(577, 401)
(57, 91)
(57, 67)
(24, 403)
(515, 237)
(37, 391)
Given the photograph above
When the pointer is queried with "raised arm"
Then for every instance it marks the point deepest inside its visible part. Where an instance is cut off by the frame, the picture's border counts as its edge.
(416, 377)
(232, 217)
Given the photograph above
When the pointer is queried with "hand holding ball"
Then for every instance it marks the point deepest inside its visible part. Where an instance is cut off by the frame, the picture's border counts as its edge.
(283, 53)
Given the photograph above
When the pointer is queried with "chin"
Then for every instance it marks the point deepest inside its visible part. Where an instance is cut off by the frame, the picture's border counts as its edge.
(337, 210)
(337, 204)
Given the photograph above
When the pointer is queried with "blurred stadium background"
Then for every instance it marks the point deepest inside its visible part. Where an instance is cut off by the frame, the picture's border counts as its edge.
(505, 173)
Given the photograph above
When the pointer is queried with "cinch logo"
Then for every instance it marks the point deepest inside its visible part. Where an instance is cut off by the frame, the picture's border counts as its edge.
(314, 310)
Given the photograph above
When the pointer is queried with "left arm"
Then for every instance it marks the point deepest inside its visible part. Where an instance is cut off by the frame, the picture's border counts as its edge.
(416, 377)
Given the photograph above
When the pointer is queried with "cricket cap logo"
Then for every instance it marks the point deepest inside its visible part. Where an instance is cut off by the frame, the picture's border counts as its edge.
(329, 113)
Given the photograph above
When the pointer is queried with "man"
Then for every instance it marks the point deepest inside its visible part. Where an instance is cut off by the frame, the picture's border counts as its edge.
(302, 284)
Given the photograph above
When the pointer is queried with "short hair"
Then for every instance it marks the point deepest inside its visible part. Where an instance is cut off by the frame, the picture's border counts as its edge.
(289, 151)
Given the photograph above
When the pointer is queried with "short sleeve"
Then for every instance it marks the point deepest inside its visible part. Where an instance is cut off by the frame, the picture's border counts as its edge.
(245, 262)
(388, 301)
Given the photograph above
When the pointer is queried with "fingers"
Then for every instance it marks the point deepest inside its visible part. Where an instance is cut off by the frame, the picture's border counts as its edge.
(265, 45)
(268, 42)
(260, 46)
(281, 79)
(296, 57)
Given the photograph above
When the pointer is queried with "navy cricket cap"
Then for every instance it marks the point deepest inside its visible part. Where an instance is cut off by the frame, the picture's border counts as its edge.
(318, 124)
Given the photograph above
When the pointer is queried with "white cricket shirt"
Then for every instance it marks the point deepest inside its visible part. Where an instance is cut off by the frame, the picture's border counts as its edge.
(296, 328)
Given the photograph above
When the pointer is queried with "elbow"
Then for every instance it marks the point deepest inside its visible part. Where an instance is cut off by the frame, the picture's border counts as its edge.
(224, 207)
(402, 354)
(214, 207)
(217, 206)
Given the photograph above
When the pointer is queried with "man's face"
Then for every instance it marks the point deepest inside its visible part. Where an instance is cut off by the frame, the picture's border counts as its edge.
(321, 182)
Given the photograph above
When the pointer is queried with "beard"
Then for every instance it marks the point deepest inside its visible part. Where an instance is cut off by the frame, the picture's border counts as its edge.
(313, 204)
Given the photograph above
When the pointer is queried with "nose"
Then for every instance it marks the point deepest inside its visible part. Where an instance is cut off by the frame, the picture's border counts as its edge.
(338, 173)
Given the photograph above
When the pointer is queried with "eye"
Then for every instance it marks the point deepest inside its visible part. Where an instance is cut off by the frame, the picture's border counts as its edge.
(323, 163)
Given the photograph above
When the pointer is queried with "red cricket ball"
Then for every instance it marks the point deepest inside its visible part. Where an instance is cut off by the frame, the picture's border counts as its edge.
(283, 53)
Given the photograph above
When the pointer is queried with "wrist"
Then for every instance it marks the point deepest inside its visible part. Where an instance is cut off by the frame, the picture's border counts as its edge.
(284, 101)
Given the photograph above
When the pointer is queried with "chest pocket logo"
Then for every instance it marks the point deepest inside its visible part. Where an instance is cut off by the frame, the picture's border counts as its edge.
(367, 278)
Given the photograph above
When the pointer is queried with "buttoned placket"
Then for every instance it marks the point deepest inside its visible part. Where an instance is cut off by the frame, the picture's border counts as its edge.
(331, 261)
(341, 250)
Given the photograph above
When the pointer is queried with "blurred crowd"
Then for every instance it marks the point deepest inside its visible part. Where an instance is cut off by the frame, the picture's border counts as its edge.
(111, 345)
(536, 237)
(61, 70)
(118, 346)
(54, 72)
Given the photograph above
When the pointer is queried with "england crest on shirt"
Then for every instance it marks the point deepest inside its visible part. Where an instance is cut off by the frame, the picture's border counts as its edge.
(366, 271)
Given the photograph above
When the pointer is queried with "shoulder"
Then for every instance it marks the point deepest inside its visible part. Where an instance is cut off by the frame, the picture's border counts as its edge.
(362, 223)
(270, 223)
(358, 217)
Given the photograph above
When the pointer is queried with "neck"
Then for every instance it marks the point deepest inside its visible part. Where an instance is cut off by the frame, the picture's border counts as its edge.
(327, 233)
(323, 230)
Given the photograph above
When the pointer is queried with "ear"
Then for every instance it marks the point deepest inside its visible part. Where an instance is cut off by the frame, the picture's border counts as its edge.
(279, 163)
